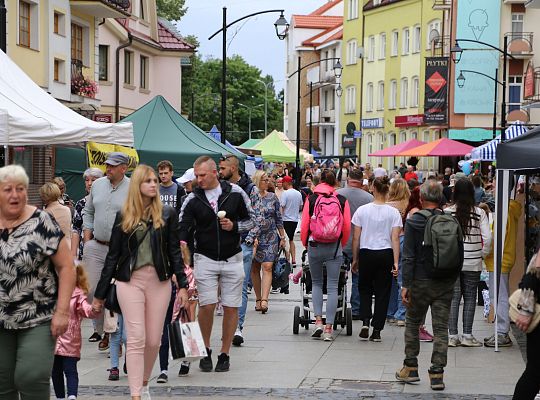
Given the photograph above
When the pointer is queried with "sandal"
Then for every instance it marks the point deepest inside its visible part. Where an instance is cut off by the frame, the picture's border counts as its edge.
(258, 307)
(264, 309)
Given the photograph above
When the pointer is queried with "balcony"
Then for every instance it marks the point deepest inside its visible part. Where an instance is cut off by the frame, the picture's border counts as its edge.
(514, 1)
(102, 8)
(80, 85)
(328, 117)
(532, 3)
(440, 46)
(520, 45)
(442, 4)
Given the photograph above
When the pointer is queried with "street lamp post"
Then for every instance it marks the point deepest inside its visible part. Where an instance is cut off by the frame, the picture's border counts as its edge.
(456, 57)
(265, 104)
(281, 26)
(3, 26)
(461, 83)
(250, 109)
(338, 69)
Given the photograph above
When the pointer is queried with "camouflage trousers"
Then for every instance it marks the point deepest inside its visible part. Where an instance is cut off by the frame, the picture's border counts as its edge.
(424, 294)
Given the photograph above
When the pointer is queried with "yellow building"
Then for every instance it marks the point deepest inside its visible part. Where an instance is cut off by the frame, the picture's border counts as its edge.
(396, 37)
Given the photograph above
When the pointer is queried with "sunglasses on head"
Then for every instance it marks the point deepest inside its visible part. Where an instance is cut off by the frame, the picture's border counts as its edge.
(225, 158)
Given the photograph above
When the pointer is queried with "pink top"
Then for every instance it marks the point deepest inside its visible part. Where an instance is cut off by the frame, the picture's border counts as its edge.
(192, 291)
(69, 344)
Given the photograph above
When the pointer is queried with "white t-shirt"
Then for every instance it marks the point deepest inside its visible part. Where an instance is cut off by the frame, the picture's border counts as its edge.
(379, 172)
(213, 195)
(291, 202)
(376, 221)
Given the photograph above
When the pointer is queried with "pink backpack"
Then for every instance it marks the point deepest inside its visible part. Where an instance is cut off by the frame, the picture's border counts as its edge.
(326, 222)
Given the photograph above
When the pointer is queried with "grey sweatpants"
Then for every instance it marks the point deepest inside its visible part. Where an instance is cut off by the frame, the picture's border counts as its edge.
(94, 259)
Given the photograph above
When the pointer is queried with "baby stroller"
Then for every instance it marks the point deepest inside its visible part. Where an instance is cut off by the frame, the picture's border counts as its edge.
(303, 316)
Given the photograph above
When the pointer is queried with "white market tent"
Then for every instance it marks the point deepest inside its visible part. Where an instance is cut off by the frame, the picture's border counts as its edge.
(31, 117)
(487, 151)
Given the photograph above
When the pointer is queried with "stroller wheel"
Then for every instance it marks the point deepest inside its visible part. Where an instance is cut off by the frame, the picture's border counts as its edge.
(349, 321)
(296, 320)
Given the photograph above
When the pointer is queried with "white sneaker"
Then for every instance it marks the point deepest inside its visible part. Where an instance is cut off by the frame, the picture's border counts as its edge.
(453, 341)
(470, 341)
(145, 394)
(238, 339)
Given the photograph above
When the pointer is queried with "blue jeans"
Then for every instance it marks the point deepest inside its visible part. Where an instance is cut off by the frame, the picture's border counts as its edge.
(117, 338)
(247, 253)
(401, 309)
(355, 295)
(68, 366)
(164, 347)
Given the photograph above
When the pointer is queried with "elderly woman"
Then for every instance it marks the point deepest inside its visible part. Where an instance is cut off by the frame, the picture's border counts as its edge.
(50, 196)
(37, 279)
(64, 198)
(77, 245)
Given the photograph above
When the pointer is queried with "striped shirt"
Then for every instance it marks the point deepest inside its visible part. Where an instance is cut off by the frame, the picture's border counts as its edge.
(477, 243)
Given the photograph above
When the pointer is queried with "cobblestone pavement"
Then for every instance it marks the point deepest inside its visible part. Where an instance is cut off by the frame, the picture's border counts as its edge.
(320, 389)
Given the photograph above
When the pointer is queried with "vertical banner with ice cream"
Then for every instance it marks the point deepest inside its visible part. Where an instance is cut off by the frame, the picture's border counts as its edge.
(477, 20)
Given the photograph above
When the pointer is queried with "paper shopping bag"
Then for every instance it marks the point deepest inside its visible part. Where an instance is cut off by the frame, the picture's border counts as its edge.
(186, 340)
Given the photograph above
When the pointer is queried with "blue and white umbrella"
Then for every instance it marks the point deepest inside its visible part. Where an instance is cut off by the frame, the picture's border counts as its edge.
(487, 151)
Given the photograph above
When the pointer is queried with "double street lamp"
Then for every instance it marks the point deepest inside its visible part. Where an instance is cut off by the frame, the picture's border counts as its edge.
(282, 27)
(266, 84)
(457, 52)
(250, 109)
(338, 69)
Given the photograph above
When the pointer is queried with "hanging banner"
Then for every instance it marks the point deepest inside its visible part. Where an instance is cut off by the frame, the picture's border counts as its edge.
(98, 152)
(436, 91)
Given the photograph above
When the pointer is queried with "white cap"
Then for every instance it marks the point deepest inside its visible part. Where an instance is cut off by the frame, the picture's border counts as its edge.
(188, 176)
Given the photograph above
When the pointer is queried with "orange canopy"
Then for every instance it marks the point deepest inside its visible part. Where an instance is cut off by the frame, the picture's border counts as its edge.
(439, 148)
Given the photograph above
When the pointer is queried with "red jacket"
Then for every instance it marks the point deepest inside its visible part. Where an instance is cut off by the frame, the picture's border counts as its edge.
(323, 188)
(410, 175)
(69, 344)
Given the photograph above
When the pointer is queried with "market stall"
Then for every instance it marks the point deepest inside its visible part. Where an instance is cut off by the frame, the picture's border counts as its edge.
(274, 149)
(393, 151)
(487, 151)
(439, 148)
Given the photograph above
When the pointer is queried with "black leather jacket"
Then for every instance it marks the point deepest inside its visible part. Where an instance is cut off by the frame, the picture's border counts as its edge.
(165, 242)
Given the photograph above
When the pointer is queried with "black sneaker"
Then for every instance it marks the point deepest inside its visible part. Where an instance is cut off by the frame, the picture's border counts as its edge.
(162, 378)
(206, 364)
(364, 332)
(184, 368)
(222, 363)
(375, 336)
(96, 337)
(436, 378)
(238, 339)
(114, 374)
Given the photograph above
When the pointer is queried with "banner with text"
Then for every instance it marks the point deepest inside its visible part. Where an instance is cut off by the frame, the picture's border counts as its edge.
(98, 152)
(436, 91)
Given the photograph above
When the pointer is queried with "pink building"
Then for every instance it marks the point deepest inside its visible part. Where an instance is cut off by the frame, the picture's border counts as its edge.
(150, 58)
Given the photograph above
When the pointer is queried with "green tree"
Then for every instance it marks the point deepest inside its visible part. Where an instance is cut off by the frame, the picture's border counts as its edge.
(201, 97)
(171, 10)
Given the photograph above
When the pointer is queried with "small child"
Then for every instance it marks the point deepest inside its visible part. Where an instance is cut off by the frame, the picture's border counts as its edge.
(67, 352)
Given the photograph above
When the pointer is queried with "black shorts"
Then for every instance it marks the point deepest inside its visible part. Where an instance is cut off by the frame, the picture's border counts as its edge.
(290, 228)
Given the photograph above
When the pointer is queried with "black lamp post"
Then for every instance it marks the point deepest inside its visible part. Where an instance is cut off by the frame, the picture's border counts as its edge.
(457, 52)
(3, 26)
(461, 84)
(338, 69)
(281, 26)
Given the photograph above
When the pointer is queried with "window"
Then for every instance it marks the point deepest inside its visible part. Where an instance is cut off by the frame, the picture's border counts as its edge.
(395, 43)
(370, 144)
(426, 136)
(406, 40)
(369, 97)
(103, 62)
(350, 100)
(327, 64)
(393, 95)
(144, 73)
(325, 97)
(404, 93)
(514, 92)
(142, 13)
(56, 72)
(351, 52)
(414, 135)
(371, 48)
(382, 46)
(415, 92)
(380, 140)
(434, 31)
(380, 98)
(77, 42)
(56, 22)
(517, 23)
(333, 99)
(353, 9)
(128, 67)
(392, 139)
(24, 24)
(403, 137)
(417, 34)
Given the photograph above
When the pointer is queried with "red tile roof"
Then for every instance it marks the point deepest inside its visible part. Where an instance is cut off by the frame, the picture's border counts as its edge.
(168, 40)
(316, 21)
(325, 7)
(313, 41)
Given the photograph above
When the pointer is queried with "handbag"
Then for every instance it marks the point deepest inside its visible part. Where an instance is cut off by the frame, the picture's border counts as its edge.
(281, 271)
(186, 339)
(513, 313)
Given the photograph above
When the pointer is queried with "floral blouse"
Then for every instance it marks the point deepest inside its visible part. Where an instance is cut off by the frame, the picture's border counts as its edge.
(78, 222)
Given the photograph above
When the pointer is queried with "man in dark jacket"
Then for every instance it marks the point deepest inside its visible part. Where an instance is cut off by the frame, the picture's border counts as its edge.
(229, 170)
(421, 291)
(216, 213)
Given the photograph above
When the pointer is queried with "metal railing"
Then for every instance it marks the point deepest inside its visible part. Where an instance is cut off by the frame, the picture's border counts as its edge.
(442, 4)
(76, 69)
(440, 46)
(520, 42)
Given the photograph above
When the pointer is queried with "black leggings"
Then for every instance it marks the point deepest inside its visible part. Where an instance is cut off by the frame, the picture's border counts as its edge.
(529, 384)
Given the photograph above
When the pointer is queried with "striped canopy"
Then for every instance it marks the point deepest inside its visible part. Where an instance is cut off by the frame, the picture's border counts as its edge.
(487, 151)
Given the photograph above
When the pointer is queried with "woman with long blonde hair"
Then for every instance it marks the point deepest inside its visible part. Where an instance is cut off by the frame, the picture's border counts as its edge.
(144, 254)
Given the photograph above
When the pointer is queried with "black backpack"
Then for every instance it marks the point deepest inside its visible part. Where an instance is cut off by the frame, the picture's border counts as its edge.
(442, 246)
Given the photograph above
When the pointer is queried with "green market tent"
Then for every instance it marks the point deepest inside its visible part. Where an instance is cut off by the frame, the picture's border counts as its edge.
(160, 133)
(250, 143)
(274, 149)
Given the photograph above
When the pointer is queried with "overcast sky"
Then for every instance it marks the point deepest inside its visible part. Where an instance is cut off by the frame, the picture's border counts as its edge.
(255, 40)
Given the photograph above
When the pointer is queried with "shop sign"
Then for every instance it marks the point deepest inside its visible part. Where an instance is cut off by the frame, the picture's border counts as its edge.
(372, 123)
(98, 152)
(357, 134)
(436, 90)
(107, 118)
(528, 85)
(409, 120)
(348, 142)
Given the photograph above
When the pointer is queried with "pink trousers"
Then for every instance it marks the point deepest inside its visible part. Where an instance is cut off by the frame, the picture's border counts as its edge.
(144, 301)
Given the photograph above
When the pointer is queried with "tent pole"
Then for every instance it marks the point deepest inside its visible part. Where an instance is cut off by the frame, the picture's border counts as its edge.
(6, 155)
(497, 250)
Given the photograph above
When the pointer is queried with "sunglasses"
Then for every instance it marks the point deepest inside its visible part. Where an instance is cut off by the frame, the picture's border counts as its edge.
(225, 158)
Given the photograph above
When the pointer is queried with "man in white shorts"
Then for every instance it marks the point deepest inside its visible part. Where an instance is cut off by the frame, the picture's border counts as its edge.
(216, 213)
